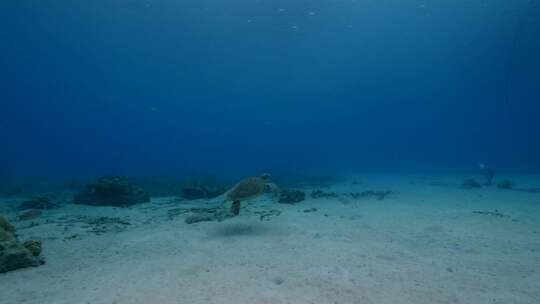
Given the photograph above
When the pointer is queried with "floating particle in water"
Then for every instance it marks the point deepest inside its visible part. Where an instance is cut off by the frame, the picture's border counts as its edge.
(312, 13)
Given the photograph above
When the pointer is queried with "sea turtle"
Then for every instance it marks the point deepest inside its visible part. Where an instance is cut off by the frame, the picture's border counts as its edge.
(245, 189)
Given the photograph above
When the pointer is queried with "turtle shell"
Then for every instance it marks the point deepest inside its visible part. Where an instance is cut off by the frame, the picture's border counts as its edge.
(247, 188)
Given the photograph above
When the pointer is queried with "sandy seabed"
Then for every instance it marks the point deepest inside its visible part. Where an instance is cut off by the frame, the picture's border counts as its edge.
(424, 243)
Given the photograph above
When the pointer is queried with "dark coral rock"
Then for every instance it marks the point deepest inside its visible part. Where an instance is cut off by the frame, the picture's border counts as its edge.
(5, 225)
(291, 196)
(39, 202)
(33, 246)
(14, 255)
(111, 191)
(470, 184)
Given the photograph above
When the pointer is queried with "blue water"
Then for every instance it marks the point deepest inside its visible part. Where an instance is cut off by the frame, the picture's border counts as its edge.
(241, 87)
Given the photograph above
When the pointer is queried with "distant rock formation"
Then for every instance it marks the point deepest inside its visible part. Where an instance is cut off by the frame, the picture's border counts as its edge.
(199, 189)
(111, 191)
(15, 255)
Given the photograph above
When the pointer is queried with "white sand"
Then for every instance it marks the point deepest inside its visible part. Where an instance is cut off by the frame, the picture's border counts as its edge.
(421, 244)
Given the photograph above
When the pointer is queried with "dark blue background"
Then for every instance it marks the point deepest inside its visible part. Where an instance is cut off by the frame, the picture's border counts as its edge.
(240, 87)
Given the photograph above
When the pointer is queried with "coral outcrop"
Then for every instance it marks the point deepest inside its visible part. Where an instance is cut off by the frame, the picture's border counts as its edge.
(116, 191)
(15, 255)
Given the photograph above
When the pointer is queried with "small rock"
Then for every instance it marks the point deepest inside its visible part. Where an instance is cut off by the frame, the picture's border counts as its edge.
(13, 254)
(5, 225)
(116, 191)
(33, 246)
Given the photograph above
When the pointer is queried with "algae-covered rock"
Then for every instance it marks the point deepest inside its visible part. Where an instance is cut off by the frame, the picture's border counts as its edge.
(111, 191)
(33, 246)
(14, 255)
(5, 225)
(6, 239)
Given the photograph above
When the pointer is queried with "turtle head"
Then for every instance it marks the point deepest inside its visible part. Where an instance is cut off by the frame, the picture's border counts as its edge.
(265, 176)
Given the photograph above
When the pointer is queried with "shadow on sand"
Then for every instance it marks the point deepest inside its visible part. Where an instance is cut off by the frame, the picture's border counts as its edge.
(239, 229)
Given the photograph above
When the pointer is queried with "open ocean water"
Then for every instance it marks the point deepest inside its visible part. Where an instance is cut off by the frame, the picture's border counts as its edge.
(307, 151)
